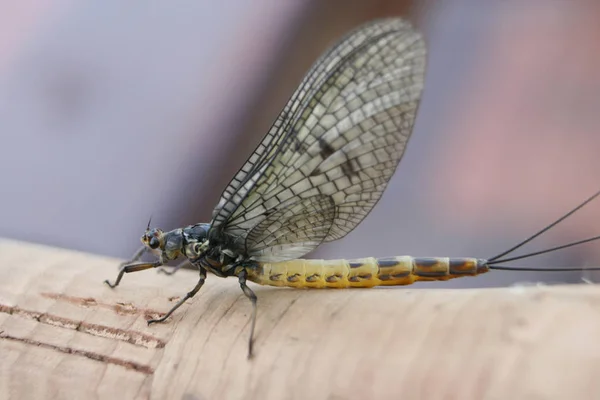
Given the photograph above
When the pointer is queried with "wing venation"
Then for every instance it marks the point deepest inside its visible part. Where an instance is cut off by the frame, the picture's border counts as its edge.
(328, 157)
(293, 230)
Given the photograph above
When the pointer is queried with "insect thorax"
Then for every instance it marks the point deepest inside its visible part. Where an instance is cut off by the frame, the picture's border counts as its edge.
(184, 241)
(193, 243)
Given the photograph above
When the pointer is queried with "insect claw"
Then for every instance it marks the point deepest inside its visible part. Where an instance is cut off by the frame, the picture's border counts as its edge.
(110, 285)
(250, 347)
(153, 320)
(164, 271)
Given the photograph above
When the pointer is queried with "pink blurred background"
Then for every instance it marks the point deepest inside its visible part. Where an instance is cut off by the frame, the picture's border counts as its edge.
(111, 112)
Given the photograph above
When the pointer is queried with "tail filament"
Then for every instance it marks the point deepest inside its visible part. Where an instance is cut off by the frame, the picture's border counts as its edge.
(493, 263)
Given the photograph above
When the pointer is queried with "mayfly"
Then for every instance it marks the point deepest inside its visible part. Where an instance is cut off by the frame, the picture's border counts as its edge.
(318, 172)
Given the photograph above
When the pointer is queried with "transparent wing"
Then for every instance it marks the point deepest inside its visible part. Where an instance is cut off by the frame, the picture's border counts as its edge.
(337, 141)
(293, 230)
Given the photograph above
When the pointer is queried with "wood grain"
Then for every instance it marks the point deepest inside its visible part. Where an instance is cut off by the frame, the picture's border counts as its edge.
(63, 334)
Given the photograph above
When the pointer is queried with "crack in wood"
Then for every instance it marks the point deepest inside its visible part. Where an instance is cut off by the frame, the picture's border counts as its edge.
(119, 308)
(144, 369)
(124, 335)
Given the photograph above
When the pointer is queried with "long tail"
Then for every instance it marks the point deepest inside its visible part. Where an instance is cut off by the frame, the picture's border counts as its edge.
(404, 270)
(365, 272)
(494, 262)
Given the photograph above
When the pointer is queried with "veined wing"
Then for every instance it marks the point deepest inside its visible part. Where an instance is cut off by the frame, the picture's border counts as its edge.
(332, 150)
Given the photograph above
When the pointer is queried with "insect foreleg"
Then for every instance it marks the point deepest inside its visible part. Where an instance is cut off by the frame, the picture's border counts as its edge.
(136, 256)
(133, 268)
(189, 295)
(252, 297)
(175, 268)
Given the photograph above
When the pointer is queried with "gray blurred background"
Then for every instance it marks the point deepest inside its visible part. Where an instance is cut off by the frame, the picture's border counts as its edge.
(114, 111)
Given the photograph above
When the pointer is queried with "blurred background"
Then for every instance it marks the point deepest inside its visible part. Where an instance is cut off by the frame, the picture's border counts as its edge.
(111, 112)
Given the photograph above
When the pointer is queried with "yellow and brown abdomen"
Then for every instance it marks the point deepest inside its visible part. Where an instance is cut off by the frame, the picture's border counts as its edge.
(365, 272)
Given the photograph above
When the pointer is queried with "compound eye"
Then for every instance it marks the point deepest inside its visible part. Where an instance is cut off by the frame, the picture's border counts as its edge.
(154, 243)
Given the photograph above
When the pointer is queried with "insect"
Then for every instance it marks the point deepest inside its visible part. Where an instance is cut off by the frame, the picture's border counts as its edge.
(316, 175)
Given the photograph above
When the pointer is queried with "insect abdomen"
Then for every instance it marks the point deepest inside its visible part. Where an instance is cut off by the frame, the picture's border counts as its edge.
(365, 272)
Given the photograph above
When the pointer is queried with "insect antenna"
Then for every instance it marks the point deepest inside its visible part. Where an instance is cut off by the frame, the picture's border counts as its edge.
(498, 258)
(149, 221)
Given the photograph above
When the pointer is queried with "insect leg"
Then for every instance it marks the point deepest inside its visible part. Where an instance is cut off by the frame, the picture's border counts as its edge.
(174, 269)
(133, 268)
(252, 297)
(189, 295)
(136, 256)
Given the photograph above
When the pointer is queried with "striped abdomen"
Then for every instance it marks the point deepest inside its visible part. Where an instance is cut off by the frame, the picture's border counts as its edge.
(365, 272)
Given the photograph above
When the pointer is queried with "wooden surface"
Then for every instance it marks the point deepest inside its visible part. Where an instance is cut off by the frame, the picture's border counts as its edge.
(63, 334)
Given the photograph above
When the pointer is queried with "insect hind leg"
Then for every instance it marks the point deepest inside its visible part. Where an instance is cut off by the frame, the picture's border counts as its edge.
(188, 295)
(253, 299)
